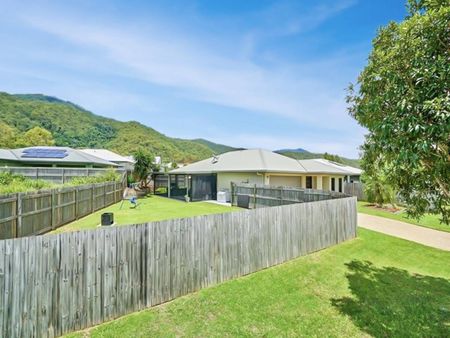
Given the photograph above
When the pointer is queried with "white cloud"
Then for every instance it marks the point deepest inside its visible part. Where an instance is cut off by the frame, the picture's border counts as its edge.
(309, 94)
(196, 72)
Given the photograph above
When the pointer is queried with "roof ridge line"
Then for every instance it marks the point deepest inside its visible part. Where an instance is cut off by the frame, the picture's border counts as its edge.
(262, 158)
(301, 165)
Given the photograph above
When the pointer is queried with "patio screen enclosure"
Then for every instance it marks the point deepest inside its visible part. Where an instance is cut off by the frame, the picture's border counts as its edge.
(198, 187)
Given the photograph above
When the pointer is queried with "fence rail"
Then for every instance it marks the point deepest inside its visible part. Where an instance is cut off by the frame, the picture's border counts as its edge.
(25, 214)
(355, 189)
(258, 196)
(55, 175)
(54, 284)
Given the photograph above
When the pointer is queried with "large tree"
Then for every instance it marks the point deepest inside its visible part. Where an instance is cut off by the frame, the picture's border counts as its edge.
(403, 99)
(144, 166)
(37, 136)
(8, 136)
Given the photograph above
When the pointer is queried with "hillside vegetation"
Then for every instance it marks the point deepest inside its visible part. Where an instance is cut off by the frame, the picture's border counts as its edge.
(73, 126)
(14, 183)
(25, 118)
(301, 154)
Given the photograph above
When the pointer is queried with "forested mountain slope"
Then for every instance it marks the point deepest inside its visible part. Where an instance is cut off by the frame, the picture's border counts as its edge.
(73, 126)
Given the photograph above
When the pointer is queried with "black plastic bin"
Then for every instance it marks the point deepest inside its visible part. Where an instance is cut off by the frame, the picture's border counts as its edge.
(107, 218)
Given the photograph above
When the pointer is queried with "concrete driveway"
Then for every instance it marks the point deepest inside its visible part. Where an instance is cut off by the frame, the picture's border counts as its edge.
(434, 238)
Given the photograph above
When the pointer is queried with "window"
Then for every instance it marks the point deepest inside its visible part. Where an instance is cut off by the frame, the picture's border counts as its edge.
(308, 182)
(340, 184)
(333, 184)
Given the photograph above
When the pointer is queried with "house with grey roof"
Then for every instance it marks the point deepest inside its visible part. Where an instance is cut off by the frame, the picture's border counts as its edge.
(203, 179)
(123, 162)
(47, 156)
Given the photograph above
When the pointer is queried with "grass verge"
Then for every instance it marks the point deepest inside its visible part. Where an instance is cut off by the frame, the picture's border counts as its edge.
(428, 220)
(375, 285)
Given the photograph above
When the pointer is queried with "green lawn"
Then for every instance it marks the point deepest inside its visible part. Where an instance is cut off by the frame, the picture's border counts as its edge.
(428, 220)
(375, 285)
(153, 208)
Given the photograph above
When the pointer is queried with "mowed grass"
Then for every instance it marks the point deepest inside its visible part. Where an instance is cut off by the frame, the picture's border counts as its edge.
(152, 208)
(375, 285)
(428, 220)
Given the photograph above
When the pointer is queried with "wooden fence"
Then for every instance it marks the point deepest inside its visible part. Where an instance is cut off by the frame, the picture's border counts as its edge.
(55, 175)
(25, 214)
(355, 189)
(54, 284)
(259, 196)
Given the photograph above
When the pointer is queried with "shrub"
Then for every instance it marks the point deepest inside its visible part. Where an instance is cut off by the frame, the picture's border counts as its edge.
(109, 176)
(13, 183)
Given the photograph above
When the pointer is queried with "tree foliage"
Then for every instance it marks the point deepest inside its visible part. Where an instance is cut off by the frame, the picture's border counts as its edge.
(143, 166)
(334, 158)
(37, 136)
(76, 127)
(8, 136)
(403, 99)
(377, 187)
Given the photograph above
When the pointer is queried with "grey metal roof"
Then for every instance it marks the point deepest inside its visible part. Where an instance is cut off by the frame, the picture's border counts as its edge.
(321, 165)
(107, 155)
(7, 154)
(264, 161)
(74, 157)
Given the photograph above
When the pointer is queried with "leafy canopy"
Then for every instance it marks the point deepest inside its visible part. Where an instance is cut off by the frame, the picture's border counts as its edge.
(76, 127)
(37, 136)
(143, 166)
(403, 99)
(8, 136)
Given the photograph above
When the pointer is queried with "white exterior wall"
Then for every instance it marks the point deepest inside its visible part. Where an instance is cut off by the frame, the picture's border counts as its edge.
(286, 181)
(224, 179)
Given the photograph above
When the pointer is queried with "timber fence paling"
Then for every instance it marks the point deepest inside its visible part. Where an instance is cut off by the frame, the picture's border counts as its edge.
(264, 195)
(54, 284)
(32, 213)
(355, 189)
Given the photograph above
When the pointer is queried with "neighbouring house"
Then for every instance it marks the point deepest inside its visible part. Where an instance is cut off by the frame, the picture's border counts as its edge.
(47, 156)
(124, 162)
(202, 180)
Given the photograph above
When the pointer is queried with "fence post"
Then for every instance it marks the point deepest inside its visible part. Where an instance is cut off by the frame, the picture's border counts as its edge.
(19, 215)
(92, 198)
(254, 197)
(16, 207)
(76, 202)
(233, 191)
(53, 222)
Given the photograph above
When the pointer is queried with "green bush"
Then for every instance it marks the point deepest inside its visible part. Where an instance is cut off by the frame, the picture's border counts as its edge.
(161, 190)
(109, 176)
(378, 189)
(12, 183)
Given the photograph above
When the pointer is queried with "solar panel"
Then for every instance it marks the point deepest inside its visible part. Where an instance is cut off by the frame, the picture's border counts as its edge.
(44, 153)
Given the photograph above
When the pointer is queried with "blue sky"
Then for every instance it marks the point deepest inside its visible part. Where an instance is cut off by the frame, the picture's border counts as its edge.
(266, 74)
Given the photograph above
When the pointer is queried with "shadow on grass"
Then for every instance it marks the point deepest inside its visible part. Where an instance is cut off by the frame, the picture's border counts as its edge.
(391, 302)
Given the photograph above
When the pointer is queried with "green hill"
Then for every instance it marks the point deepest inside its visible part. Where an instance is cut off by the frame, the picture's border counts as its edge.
(73, 126)
(305, 155)
(217, 148)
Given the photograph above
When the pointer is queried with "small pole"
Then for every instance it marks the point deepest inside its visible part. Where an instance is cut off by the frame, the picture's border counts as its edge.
(53, 209)
(19, 215)
(232, 194)
(254, 197)
(168, 186)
